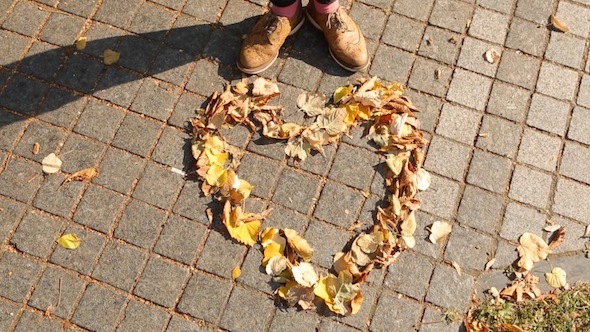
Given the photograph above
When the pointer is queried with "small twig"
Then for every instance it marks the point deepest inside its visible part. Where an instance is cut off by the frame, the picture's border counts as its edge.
(33, 178)
(59, 294)
(435, 322)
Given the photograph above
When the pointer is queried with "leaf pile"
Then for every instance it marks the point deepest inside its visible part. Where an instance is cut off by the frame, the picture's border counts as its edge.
(394, 128)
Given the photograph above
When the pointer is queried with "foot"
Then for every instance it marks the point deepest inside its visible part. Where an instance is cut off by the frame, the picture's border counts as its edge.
(261, 47)
(345, 40)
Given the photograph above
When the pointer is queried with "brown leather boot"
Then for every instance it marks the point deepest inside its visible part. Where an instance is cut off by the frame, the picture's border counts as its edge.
(261, 47)
(345, 40)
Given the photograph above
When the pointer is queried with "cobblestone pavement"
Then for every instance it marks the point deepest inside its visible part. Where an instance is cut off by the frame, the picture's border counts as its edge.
(510, 148)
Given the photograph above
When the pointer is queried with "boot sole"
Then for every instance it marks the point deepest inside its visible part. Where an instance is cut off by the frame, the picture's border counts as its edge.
(345, 66)
(260, 69)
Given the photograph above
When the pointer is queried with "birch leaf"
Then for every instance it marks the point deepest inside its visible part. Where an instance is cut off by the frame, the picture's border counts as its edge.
(439, 230)
(110, 57)
(69, 241)
(299, 244)
(81, 43)
(311, 103)
(556, 278)
(236, 272)
(557, 24)
(51, 164)
(304, 274)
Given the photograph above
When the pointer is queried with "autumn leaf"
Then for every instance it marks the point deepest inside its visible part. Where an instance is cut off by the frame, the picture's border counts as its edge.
(556, 278)
(532, 249)
(423, 179)
(305, 274)
(297, 148)
(216, 175)
(264, 87)
(270, 251)
(36, 148)
(339, 293)
(236, 272)
(332, 121)
(110, 57)
(51, 164)
(299, 244)
(557, 24)
(408, 226)
(241, 88)
(240, 190)
(81, 43)
(69, 241)
(301, 295)
(341, 92)
(310, 103)
(439, 230)
(276, 264)
(245, 232)
(85, 175)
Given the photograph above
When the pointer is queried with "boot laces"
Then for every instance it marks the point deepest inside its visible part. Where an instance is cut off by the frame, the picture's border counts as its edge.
(271, 25)
(335, 21)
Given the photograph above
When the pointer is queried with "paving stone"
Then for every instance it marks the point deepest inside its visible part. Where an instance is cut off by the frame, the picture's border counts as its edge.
(499, 136)
(296, 190)
(370, 19)
(520, 219)
(171, 65)
(83, 9)
(548, 114)
(10, 213)
(450, 290)
(98, 208)
(261, 172)
(441, 198)
(118, 86)
(56, 200)
(8, 312)
(119, 170)
(580, 125)
(25, 19)
(189, 34)
(403, 32)
(434, 321)
(30, 321)
(205, 79)
(451, 14)
(417, 9)
(469, 89)
(154, 99)
(185, 325)
(174, 4)
(300, 74)
(518, 69)
(117, 13)
(286, 218)
(48, 137)
(173, 149)
(81, 153)
(447, 158)
(254, 274)
(82, 259)
(338, 205)
(489, 25)
(223, 47)
(12, 127)
(36, 234)
(98, 309)
(424, 77)
(239, 16)
(489, 172)
(330, 325)
(119, 265)
(391, 64)
(441, 45)
(103, 37)
(505, 256)
(48, 289)
(584, 93)
(429, 109)
(99, 121)
(577, 18)
(220, 255)
(138, 52)
(193, 205)
(566, 50)
(424, 221)
(360, 319)
(393, 311)
(316, 163)
(410, 275)
(18, 275)
(151, 18)
(140, 224)
(22, 94)
(127, 136)
(161, 282)
(180, 231)
(557, 81)
(574, 160)
(246, 311)
(358, 138)
(508, 101)
(567, 197)
(480, 209)
(11, 55)
(291, 320)
(198, 300)
(573, 241)
(527, 37)
(502, 6)
(472, 57)
(324, 251)
(61, 29)
(158, 186)
(536, 11)
(540, 150)
(458, 123)
(141, 317)
(267, 146)
(42, 60)
(80, 73)
(353, 166)
(470, 249)
(20, 179)
(185, 109)
(54, 110)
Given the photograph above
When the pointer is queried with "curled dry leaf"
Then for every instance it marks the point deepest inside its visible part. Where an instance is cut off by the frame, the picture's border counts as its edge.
(69, 241)
(51, 164)
(305, 274)
(36, 148)
(551, 228)
(110, 57)
(439, 230)
(556, 278)
(276, 265)
(86, 175)
(457, 267)
(532, 249)
(587, 232)
(236, 272)
(492, 56)
(557, 24)
(557, 238)
(299, 244)
(311, 103)
(264, 87)
(81, 43)
(489, 264)
(423, 179)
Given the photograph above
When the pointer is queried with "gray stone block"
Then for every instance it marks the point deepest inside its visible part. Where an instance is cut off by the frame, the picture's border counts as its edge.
(12, 127)
(58, 200)
(98, 309)
(30, 321)
(151, 18)
(567, 200)
(200, 302)
(469, 249)
(19, 274)
(395, 312)
(499, 136)
(580, 125)
(527, 37)
(472, 57)
(519, 69)
(141, 317)
(292, 319)
(530, 186)
(11, 55)
(36, 234)
(458, 123)
(261, 172)
(451, 14)
(180, 239)
(566, 50)
(53, 111)
(178, 323)
(99, 121)
(576, 17)
(450, 290)
(80, 72)
(489, 25)
(98, 208)
(316, 235)
(48, 137)
(137, 134)
(119, 265)
(416, 9)
(441, 45)
(220, 255)
(403, 32)
(25, 19)
(118, 86)
(490, 172)
(8, 313)
(441, 198)
(469, 89)
(154, 99)
(158, 186)
(173, 149)
(447, 158)
(42, 60)
(83, 258)
(161, 282)
(391, 64)
(434, 320)
(429, 107)
(354, 166)
(286, 218)
(246, 311)
(117, 12)
(22, 94)
(300, 74)
(548, 114)
(539, 149)
(296, 190)
(502, 6)
(20, 179)
(254, 274)
(56, 284)
(574, 160)
(171, 65)
(119, 170)
(520, 219)
(533, 10)
(424, 77)
(556, 81)
(11, 213)
(81, 153)
(584, 92)
(338, 205)
(62, 29)
(140, 224)
(480, 209)
(410, 275)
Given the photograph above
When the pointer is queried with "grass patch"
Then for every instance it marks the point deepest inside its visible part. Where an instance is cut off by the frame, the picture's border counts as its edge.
(567, 311)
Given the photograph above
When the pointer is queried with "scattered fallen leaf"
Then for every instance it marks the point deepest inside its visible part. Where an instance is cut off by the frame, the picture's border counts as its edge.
(264, 87)
(492, 56)
(557, 238)
(36, 148)
(556, 278)
(437, 73)
(305, 274)
(457, 267)
(81, 43)
(439, 230)
(276, 265)
(86, 175)
(51, 164)
(236, 272)
(557, 24)
(512, 328)
(489, 264)
(69, 241)
(299, 244)
(311, 103)
(423, 179)
(532, 249)
(110, 57)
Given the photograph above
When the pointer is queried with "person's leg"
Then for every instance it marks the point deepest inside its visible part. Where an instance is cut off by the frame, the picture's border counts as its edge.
(262, 44)
(345, 40)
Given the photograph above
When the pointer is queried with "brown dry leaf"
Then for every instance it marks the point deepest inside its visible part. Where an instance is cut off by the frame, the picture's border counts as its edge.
(437, 73)
(303, 296)
(457, 267)
(236, 272)
(264, 87)
(557, 24)
(492, 56)
(110, 57)
(86, 174)
(439, 230)
(489, 264)
(423, 179)
(557, 239)
(556, 278)
(512, 328)
(51, 164)
(299, 244)
(241, 88)
(81, 43)
(532, 249)
(36, 148)
(311, 103)
(551, 228)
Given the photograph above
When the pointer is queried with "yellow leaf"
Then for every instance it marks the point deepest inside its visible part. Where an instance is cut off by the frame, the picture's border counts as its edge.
(276, 265)
(215, 144)
(271, 235)
(305, 274)
(283, 290)
(110, 57)
(216, 158)
(51, 164)
(241, 190)
(69, 241)
(342, 92)
(244, 232)
(81, 43)
(270, 251)
(301, 247)
(556, 278)
(216, 175)
(351, 113)
(236, 272)
(364, 112)
(326, 288)
(439, 230)
(357, 302)
(408, 226)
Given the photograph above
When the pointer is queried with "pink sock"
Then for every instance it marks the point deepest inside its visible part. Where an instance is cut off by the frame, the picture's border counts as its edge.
(288, 11)
(326, 9)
